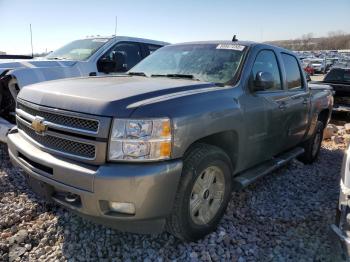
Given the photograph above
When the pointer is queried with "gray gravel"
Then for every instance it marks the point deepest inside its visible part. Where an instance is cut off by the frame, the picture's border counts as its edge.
(283, 217)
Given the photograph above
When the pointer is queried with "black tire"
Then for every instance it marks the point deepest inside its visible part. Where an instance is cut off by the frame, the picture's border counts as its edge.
(198, 159)
(311, 149)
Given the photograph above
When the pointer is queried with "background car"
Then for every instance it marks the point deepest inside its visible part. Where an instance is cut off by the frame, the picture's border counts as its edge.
(84, 57)
(319, 65)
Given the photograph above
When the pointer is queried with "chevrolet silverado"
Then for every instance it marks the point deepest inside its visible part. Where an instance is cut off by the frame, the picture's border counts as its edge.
(163, 146)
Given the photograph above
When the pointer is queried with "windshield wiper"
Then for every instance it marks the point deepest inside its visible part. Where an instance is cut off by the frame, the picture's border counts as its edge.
(186, 76)
(137, 74)
(56, 58)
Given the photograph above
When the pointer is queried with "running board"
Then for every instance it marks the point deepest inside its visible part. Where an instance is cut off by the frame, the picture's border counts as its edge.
(249, 176)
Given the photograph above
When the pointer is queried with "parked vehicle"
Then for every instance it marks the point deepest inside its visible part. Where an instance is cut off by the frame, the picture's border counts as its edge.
(319, 65)
(84, 57)
(13, 57)
(330, 61)
(339, 80)
(345, 64)
(308, 68)
(342, 221)
(165, 145)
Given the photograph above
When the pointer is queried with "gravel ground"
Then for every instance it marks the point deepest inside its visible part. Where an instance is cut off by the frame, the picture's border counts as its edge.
(283, 217)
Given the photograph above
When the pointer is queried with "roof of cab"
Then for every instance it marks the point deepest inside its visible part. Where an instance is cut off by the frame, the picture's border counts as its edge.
(129, 38)
(244, 43)
(226, 42)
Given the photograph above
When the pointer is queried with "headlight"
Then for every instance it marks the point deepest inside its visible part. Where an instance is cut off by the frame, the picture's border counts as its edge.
(140, 140)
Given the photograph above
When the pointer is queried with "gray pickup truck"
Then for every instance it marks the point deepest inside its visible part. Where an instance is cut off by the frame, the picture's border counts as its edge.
(163, 146)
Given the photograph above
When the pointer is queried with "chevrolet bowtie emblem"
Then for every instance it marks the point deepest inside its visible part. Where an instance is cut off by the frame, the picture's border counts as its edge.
(38, 125)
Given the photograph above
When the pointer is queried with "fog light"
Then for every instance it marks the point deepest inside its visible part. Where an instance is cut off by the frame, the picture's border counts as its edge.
(126, 208)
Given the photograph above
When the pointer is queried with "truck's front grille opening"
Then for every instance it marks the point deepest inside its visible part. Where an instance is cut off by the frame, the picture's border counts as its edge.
(60, 144)
(69, 121)
(41, 167)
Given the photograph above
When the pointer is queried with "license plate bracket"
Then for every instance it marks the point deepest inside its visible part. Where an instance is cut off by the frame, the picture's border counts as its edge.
(40, 188)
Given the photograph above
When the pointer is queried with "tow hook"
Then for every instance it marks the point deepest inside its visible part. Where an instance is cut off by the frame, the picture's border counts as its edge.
(71, 198)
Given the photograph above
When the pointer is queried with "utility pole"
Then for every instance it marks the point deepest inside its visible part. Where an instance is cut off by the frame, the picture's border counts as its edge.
(31, 38)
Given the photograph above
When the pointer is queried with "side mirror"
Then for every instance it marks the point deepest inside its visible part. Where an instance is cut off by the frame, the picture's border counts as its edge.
(263, 81)
(115, 63)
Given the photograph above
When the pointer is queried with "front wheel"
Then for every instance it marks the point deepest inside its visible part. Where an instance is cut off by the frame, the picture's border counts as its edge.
(203, 193)
(313, 145)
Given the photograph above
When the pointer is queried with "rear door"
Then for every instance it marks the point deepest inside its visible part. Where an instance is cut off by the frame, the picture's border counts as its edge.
(298, 104)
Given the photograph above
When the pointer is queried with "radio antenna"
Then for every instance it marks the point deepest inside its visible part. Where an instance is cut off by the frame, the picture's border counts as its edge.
(31, 38)
(116, 23)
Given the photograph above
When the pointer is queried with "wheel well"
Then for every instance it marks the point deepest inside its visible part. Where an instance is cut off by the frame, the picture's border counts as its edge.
(7, 100)
(227, 141)
(323, 116)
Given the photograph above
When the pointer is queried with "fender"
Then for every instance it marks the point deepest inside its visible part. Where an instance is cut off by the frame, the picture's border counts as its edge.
(31, 74)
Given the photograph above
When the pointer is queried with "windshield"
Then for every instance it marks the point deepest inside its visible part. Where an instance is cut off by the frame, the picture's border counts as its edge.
(78, 50)
(205, 62)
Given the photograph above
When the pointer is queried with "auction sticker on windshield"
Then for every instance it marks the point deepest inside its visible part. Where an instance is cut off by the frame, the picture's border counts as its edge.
(231, 47)
(100, 40)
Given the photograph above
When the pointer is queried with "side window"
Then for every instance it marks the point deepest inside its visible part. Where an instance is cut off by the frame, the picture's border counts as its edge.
(266, 62)
(130, 51)
(293, 72)
(151, 48)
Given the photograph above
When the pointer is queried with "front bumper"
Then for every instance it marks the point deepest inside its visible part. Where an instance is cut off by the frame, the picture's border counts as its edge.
(341, 227)
(150, 187)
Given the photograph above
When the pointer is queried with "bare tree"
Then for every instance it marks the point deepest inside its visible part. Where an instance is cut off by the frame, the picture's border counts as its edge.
(335, 40)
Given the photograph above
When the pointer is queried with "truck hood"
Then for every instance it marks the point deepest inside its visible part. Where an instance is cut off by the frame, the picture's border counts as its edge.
(33, 63)
(110, 96)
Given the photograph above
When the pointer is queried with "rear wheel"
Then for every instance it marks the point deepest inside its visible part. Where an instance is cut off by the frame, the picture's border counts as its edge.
(203, 193)
(313, 145)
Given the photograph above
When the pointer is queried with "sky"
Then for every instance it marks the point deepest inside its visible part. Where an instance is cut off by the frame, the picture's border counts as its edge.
(55, 23)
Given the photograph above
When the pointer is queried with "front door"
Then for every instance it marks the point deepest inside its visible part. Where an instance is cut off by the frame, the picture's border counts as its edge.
(131, 52)
(264, 112)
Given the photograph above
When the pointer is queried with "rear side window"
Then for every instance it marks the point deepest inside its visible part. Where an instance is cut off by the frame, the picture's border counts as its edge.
(338, 75)
(347, 76)
(266, 62)
(293, 71)
(151, 48)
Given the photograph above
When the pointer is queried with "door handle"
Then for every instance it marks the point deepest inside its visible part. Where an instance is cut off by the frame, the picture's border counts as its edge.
(282, 106)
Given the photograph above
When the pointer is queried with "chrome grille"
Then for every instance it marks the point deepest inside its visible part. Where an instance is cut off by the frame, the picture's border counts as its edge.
(74, 122)
(78, 136)
(60, 144)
